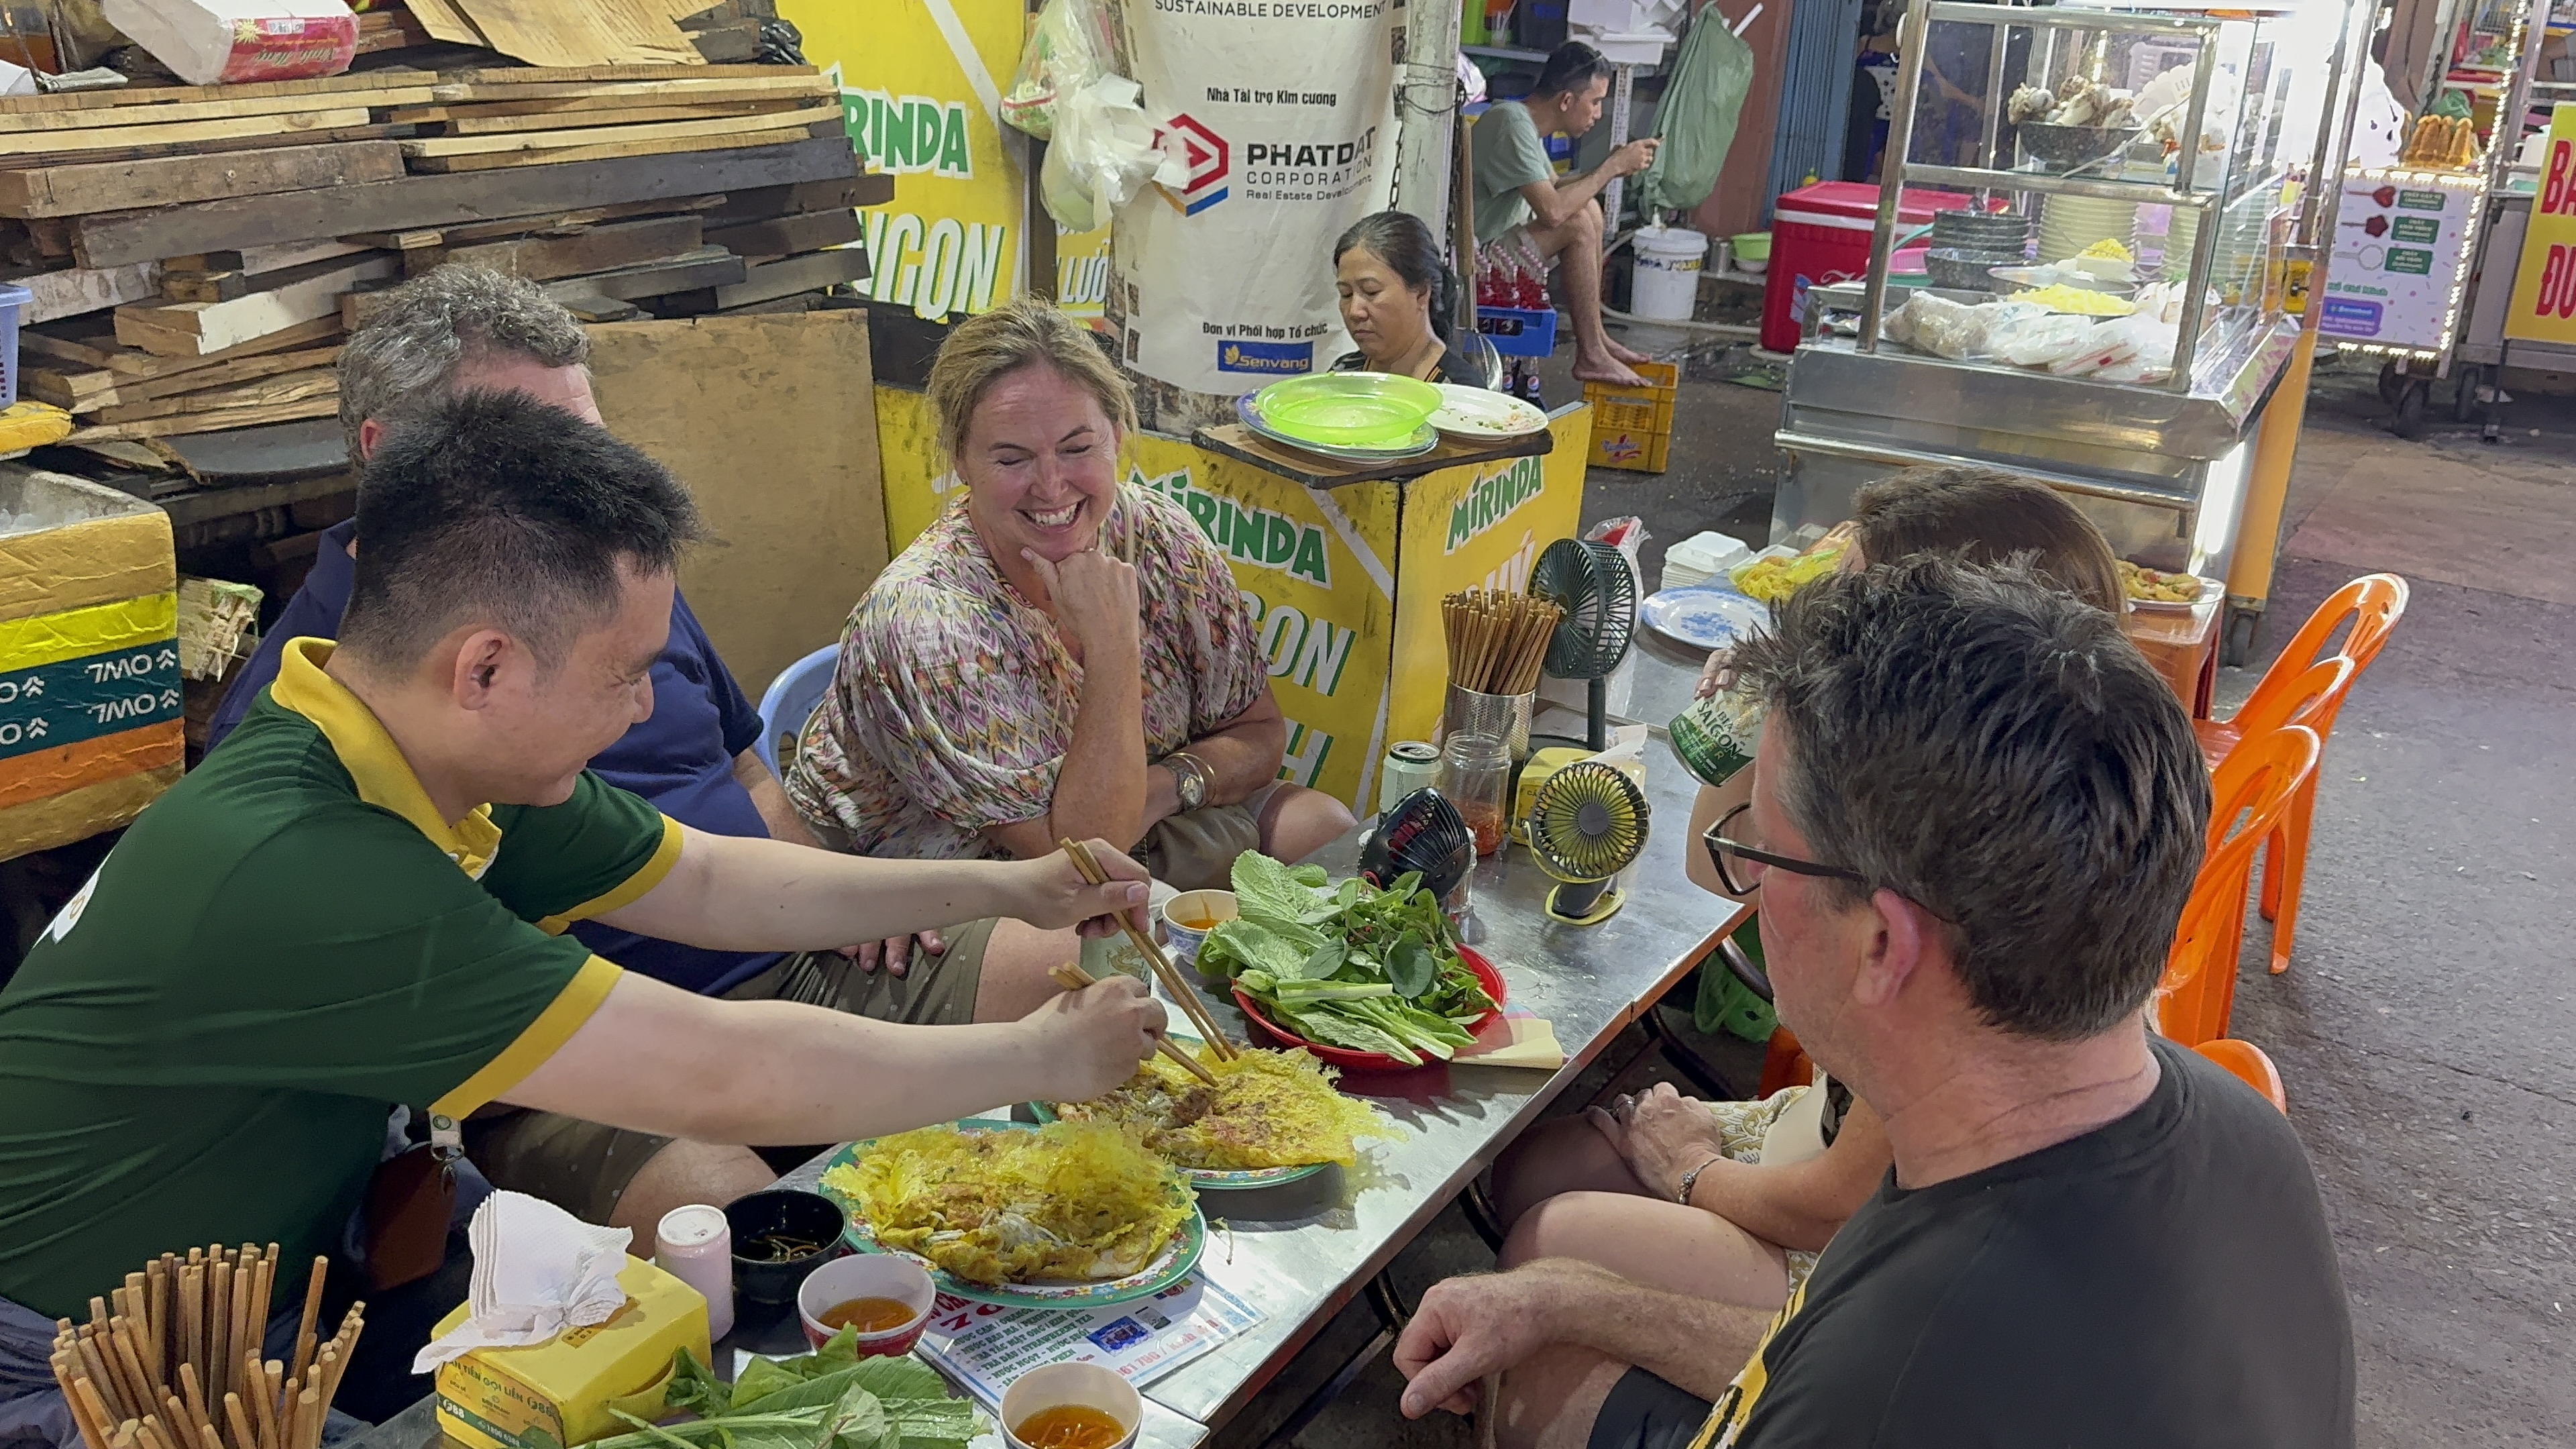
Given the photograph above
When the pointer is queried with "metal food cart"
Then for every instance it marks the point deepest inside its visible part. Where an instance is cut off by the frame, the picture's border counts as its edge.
(2216, 219)
(2470, 219)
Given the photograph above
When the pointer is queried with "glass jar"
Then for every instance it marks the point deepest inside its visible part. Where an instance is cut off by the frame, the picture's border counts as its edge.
(1476, 775)
(1716, 737)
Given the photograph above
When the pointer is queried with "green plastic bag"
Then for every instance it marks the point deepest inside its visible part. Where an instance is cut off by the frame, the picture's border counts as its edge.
(1697, 120)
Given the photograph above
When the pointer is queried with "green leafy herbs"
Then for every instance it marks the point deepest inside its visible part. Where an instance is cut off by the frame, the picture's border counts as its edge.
(829, 1399)
(1354, 966)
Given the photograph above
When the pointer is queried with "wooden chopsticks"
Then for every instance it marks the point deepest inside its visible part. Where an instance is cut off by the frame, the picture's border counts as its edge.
(1497, 640)
(1173, 985)
(178, 1356)
(1074, 978)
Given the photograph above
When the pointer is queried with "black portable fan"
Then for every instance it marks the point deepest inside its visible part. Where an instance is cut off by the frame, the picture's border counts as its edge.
(1422, 832)
(1592, 583)
(1587, 825)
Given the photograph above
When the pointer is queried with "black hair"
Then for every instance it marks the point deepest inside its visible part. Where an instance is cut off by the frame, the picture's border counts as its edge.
(1999, 753)
(1410, 250)
(1570, 67)
(495, 509)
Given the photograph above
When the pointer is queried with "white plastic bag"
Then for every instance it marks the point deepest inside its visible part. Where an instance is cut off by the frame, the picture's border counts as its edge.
(2041, 340)
(1105, 150)
(1068, 49)
(2136, 348)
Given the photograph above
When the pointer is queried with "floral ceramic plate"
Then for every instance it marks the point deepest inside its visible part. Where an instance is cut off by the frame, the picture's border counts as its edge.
(1170, 1266)
(1207, 1179)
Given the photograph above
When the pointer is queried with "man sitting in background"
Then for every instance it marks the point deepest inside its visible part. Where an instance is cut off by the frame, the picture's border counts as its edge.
(1521, 202)
(458, 329)
(1977, 813)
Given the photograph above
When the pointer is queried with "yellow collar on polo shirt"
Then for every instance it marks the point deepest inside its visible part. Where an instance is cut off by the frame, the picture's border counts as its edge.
(384, 778)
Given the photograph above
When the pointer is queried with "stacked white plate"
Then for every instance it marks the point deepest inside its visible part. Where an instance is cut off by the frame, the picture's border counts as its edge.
(1701, 557)
(2069, 224)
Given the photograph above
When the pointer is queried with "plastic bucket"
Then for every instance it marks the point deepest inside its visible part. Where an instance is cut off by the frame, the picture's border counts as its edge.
(1669, 260)
(13, 306)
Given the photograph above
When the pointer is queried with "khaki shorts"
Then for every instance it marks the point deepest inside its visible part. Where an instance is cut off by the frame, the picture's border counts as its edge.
(584, 1167)
(1195, 850)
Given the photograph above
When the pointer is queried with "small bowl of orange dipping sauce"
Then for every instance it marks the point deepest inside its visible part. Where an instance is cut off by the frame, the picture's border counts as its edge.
(1071, 1406)
(1189, 916)
(886, 1298)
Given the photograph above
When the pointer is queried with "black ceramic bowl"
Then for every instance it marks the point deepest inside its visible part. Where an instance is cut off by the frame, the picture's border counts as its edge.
(766, 1222)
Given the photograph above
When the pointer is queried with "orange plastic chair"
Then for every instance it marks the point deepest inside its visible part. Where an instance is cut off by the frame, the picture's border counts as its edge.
(2372, 605)
(2252, 791)
(1784, 1064)
(2248, 1062)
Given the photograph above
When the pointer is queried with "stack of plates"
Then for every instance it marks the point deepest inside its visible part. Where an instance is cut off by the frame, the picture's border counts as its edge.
(1363, 417)
(1701, 557)
(2072, 223)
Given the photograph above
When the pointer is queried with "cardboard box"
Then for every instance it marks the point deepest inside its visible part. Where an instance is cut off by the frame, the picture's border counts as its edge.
(562, 1391)
(89, 659)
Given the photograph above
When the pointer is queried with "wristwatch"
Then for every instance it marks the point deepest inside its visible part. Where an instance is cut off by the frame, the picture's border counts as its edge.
(1189, 778)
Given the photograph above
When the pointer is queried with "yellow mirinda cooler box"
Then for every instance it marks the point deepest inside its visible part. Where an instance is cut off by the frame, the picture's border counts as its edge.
(561, 1392)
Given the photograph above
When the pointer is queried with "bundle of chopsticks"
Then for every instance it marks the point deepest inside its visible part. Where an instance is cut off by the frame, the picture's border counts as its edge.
(1497, 640)
(172, 1359)
(1074, 978)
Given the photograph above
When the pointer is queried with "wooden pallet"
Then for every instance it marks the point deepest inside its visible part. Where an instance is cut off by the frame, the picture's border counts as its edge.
(605, 151)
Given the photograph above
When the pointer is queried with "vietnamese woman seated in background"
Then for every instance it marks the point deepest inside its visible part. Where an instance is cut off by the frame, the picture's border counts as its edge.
(1399, 303)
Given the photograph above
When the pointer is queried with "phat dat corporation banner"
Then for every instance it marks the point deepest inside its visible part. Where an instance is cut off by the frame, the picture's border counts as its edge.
(920, 84)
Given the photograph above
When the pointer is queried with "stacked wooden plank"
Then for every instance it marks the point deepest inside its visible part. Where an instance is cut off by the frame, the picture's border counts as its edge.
(197, 254)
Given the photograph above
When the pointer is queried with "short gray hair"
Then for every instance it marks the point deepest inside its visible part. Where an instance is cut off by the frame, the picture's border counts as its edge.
(408, 353)
(2000, 754)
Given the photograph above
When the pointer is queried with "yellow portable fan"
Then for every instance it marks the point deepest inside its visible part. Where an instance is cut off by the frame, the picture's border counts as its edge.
(1587, 825)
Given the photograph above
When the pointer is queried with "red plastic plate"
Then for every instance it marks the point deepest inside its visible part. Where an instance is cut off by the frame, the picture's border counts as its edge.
(1353, 1061)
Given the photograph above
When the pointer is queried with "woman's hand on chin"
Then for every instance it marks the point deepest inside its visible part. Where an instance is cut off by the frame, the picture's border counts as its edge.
(1095, 600)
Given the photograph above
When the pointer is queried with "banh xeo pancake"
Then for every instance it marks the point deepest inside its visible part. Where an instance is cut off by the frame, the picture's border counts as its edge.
(1268, 1109)
(1071, 1201)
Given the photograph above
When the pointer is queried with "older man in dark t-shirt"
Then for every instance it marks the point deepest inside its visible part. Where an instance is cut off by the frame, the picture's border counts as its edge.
(1976, 815)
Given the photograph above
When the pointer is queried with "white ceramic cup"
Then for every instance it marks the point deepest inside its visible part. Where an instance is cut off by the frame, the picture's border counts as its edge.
(1059, 1384)
(1209, 906)
(867, 1275)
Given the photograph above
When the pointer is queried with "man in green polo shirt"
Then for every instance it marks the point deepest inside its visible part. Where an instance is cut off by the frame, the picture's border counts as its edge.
(360, 900)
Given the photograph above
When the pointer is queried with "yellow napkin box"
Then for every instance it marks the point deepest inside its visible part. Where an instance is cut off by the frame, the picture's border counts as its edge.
(559, 1392)
(1542, 764)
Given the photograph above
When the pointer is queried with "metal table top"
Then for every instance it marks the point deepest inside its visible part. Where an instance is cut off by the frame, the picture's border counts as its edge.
(1589, 981)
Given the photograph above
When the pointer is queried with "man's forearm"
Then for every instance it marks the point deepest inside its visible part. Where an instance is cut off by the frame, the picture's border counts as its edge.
(788, 1073)
(770, 799)
(732, 893)
(1694, 1344)
(1573, 191)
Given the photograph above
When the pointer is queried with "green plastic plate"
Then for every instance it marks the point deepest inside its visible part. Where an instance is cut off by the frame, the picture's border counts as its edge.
(1348, 409)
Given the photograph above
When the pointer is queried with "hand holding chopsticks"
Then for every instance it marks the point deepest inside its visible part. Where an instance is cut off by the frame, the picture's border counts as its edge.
(1073, 978)
(1173, 985)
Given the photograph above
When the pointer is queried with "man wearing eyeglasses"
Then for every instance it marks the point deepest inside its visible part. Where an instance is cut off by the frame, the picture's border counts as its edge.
(1976, 815)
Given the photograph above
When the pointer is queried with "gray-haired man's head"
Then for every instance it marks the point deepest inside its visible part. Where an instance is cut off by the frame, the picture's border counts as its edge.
(454, 329)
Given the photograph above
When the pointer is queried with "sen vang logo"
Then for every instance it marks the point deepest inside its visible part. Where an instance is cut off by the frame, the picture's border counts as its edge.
(1209, 158)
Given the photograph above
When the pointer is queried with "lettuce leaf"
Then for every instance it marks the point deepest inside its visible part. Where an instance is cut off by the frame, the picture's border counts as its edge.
(1264, 887)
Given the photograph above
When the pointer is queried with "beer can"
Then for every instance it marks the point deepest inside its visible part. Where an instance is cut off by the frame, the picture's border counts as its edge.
(1409, 766)
(1716, 736)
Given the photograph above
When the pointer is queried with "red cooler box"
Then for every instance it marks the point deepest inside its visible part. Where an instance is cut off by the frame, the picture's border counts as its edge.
(1820, 233)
